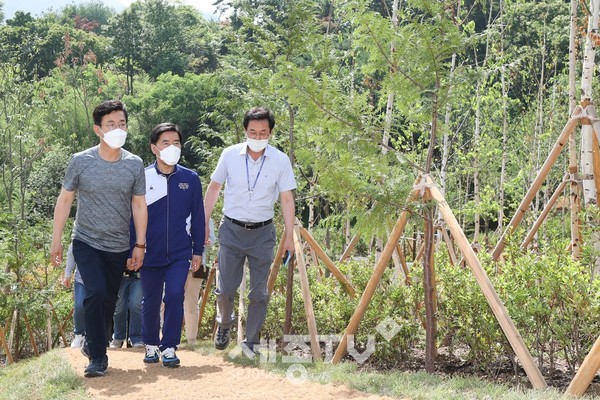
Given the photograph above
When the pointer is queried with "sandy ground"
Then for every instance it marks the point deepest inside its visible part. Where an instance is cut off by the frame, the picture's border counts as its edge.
(199, 376)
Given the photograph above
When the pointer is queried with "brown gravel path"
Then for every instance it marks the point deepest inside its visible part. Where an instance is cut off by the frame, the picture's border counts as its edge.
(199, 377)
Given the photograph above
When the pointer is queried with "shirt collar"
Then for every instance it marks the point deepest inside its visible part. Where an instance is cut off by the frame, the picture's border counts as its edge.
(155, 164)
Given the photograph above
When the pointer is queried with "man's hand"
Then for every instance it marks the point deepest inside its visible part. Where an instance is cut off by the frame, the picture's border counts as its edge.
(56, 253)
(137, 259)
(196, 262)
(66, 281)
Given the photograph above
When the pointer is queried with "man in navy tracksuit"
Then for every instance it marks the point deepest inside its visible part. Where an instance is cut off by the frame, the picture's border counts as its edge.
(175, 237)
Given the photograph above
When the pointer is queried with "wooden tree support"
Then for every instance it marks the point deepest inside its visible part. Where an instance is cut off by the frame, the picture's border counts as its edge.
(378, 271)
(562, 140)
(31, 336)
(587, 371)
(62, 326)
(206, 290)
(540, 219)
(326, 260)
(9, 357)
(506, 323)
(403, 265)
(275, 267)
(308, 307)
(508, 327)
(449, 245)
(350, 247)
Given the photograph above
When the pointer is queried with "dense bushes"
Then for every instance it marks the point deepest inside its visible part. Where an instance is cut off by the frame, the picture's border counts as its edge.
(551, 299)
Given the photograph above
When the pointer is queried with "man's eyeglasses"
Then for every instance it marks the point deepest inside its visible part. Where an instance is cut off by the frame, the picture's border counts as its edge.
(111, 126)
(258, 135)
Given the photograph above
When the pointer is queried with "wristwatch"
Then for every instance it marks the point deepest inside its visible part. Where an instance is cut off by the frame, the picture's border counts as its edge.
(140, 246)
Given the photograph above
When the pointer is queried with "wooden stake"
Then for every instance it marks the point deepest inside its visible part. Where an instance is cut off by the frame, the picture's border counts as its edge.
(587, 371)
(275, 266)
(506, 323)
(289, 302)
(537, 183)
(378, 271)
(403, 264)
(31, 336)
(206, 290)
(326, 260)
(308, 307)
(542, 217)
(9, 358)
(350, 247)
(449, 246)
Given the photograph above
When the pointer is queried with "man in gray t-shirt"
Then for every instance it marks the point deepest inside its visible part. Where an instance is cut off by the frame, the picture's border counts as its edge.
(110, 185)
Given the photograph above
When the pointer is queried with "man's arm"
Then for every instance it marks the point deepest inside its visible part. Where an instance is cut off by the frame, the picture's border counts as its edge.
(61, 214)
(210, 199)
(140, 222)
(288, 209)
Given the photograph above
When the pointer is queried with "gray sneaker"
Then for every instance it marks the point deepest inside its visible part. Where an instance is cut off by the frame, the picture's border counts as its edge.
(116, 344)
(222, 338)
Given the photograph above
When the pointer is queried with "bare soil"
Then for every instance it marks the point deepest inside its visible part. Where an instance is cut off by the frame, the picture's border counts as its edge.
(199, 376)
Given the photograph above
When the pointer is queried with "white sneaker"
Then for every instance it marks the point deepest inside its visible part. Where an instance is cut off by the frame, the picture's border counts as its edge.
(152, 354)
(116, 344)
(77, 341)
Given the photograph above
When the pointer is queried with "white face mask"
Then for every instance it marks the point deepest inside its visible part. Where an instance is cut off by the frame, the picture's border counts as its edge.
(170, 155)
(115, 139)
(257, 145)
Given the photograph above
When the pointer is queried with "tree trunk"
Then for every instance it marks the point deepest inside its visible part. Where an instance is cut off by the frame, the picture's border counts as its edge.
(504, 124)
(587, 75)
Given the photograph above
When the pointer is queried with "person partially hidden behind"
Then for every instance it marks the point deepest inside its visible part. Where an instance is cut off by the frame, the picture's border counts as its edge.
(254, 174)
(129, 304)
(175, 239)
(110, 186)
(73, 278)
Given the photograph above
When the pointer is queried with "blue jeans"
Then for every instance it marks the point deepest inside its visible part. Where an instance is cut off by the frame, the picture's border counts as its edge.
(78, 315)
(130, 299)
(101, 272)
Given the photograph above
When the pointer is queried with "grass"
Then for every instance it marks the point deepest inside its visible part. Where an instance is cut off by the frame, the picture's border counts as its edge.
(47, 377)
(396, 384)
(51, 376)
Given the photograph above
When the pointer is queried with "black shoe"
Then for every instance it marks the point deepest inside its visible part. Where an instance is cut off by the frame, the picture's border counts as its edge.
(97, 367)
(222, 338)
(85, 350)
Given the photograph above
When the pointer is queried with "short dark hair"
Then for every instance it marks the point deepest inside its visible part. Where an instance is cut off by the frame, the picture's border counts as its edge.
(107, 107)
(162, 128)
(257, 114)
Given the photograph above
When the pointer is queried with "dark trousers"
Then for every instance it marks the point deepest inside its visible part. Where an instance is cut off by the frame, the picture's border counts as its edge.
(101, 272)
(163, 284)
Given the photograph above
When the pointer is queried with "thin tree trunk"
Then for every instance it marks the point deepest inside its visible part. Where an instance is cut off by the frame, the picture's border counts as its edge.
(504, 124)
(586, 160)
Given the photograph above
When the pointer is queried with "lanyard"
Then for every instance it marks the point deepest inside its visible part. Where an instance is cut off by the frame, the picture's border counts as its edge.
(251, 189)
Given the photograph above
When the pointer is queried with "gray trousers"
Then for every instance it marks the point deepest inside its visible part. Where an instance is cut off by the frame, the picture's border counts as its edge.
(236, 244)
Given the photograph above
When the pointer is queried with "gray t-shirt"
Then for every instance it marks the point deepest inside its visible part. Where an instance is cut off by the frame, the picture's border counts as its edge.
(104, 192)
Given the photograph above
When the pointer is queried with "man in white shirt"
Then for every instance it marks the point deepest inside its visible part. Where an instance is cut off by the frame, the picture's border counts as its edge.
(254, 174)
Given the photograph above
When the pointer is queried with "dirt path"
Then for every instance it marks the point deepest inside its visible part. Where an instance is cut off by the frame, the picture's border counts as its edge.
(201, 377)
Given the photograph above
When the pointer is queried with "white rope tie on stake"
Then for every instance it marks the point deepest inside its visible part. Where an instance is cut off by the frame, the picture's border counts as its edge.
(423, 185)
